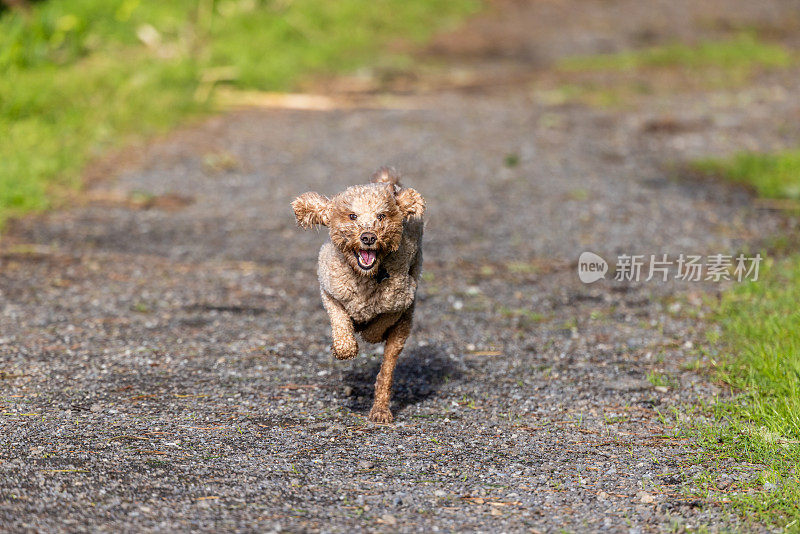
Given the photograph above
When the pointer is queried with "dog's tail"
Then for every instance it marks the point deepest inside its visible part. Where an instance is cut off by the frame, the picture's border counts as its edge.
(386, 175)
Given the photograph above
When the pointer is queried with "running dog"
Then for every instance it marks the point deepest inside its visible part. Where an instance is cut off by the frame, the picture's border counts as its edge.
(369, 270)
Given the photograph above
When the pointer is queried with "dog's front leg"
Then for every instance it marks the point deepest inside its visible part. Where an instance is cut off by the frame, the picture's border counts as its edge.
(395, 341)
(345, 346)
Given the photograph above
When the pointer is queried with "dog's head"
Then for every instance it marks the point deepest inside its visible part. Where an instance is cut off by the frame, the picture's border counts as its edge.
(365, 221)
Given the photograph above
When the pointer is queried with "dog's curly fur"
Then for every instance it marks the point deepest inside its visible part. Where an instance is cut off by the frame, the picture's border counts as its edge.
(368, 272)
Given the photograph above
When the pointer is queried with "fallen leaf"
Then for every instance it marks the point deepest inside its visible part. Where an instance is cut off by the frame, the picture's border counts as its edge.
(388, 519)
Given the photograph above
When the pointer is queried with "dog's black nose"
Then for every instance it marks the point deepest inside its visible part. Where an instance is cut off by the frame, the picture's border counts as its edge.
(368, 238)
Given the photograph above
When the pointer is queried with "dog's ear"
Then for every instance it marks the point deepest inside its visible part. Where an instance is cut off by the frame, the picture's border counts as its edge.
(410, 203)
(311, 209)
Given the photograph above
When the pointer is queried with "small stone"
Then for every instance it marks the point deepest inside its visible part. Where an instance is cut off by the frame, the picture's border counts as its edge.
(348, 391)
(389, 519)
(332, 429)
(440, 493)
(769, 486)
(662, 389)
(634, 343)
(366, 464)
(602, 495)
(646, 498)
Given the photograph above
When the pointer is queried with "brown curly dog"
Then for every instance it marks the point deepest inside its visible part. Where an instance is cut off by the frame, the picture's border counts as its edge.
(368, 271)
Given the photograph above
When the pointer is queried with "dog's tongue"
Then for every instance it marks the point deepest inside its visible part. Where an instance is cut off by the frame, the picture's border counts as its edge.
(367, 256)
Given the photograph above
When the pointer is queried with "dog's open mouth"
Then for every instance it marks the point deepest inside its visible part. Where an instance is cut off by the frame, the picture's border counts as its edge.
(365, 259)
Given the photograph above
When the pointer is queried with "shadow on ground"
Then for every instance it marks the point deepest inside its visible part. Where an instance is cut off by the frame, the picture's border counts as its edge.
(419, 374)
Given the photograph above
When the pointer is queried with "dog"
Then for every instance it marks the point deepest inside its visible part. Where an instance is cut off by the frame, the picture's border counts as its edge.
(369, 270)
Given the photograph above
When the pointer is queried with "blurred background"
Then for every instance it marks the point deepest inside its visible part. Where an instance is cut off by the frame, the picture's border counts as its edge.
(80, 77)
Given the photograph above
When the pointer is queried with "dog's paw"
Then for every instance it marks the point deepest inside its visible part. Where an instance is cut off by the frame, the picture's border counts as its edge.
(344, 353)
(380, 415)
(344, 347)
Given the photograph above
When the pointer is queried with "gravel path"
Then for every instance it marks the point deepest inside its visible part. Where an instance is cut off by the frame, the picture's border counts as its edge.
(164, 356)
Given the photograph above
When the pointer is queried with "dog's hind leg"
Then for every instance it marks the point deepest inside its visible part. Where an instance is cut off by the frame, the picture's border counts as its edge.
(395, 341)
(345, 346)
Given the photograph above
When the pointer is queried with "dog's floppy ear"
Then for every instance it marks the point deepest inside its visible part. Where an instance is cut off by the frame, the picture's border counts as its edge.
(311, 209)
(410, 203)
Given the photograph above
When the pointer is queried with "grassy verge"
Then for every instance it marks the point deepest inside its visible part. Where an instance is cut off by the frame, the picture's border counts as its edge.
(80, 76)
(770, 175)
(617, 79)
(742, 53)
(760, 344)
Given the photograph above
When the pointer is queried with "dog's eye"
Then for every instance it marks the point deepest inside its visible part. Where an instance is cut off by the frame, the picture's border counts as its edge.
(353, 216)
(381, 216)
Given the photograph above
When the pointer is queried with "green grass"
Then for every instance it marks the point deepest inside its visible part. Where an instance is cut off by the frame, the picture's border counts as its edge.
(770, 175)
(761, 424)
(619, 79)
(760, 320)
(78, 77)
(743, 53)
(530, 315)
(760, 361)
(661, 380)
